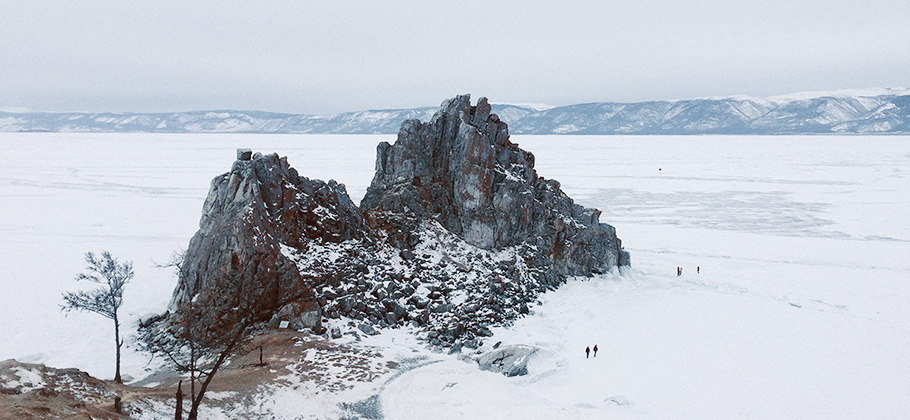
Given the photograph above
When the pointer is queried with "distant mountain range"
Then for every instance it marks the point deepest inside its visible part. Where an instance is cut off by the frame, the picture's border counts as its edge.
(878, 111)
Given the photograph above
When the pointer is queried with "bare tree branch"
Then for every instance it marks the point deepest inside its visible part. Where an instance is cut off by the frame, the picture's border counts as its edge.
(208, 329)
(175, 261)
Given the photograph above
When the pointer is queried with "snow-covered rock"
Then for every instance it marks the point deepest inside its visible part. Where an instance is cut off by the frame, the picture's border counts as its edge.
(509, 360)
(461, 170)
(251, 214)
(457, 233)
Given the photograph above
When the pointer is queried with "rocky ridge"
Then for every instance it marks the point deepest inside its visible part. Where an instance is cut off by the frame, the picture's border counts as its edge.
(461, 170)
(456, 233)
(874, 111)
(32, 391)
(252, 211)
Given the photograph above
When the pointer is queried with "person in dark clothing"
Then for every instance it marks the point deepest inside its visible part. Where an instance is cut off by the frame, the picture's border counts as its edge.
(595, 350)
(587, 352)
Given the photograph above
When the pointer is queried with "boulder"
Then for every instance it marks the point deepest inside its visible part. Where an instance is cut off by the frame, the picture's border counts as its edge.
(151, 318)
(300, 315)
(336, 332)
(367, 329)
(508, 360)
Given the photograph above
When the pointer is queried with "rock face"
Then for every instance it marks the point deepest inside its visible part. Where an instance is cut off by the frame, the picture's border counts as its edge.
(461, 170)
(252, 211)
(457, 232)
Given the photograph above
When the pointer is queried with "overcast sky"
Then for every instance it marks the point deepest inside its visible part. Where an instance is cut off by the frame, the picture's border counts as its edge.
(320, 57)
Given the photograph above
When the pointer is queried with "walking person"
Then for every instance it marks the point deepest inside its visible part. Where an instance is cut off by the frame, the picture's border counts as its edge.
(595, 350)
(587, 352)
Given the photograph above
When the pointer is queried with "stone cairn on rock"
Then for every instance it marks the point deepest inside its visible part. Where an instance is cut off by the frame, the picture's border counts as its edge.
(456, 233)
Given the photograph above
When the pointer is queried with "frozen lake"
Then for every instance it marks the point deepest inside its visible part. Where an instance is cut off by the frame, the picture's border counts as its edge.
(800, 309)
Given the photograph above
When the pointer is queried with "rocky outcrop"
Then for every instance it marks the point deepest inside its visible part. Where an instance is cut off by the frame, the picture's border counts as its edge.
(462, 170)
(252, 211)
(457, 233)
(33, 391)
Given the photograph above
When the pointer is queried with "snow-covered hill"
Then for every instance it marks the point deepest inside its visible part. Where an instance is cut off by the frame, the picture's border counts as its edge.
(366, 122)
(859, 112)
(874, 111)
(363, 122)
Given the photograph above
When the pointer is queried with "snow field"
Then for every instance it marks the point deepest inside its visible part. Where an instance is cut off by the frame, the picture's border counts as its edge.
(800, 309)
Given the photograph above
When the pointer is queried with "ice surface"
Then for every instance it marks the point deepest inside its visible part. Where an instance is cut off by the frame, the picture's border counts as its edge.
(799, 310)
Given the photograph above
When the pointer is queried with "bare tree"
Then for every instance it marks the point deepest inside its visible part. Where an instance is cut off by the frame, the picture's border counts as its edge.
(175, 261)
(204, 332)
(105, 301)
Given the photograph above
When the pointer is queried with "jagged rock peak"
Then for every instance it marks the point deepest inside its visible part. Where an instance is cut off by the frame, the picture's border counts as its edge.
(456, 233)
(462, 170)
(254, 209)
